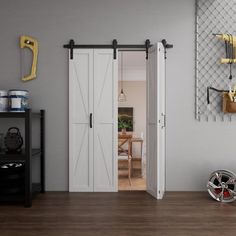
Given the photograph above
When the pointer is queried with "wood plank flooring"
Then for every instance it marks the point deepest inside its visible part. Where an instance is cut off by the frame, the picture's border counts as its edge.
(119, 214)
(137, 184)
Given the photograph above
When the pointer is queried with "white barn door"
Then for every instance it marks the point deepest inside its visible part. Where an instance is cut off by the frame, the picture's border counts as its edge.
(105, 121)
(93, 121)
(80, 135)
(156, 121)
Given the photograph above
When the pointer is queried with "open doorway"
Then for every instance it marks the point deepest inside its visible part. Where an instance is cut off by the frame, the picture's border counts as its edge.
(132, 121)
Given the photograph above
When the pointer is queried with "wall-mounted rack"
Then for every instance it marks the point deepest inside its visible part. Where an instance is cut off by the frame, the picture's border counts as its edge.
(213, 17)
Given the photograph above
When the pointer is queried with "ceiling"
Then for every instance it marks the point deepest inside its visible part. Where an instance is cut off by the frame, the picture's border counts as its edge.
(134, 65)
(133, 60)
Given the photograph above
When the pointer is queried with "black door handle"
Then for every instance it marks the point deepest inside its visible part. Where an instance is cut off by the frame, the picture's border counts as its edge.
(91, 120)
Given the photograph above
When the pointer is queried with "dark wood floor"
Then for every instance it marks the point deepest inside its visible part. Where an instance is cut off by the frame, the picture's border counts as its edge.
(123, 214)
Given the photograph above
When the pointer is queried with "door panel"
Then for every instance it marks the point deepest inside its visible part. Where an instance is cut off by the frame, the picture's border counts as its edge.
(156, 121)
(80, 136)
(105, 120)
(161, 113)
(80, 168)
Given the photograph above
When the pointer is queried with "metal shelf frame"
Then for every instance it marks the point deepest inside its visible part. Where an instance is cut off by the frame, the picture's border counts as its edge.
(26, 155)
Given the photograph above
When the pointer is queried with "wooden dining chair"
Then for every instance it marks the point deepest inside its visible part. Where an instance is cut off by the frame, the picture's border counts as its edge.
(124, 149)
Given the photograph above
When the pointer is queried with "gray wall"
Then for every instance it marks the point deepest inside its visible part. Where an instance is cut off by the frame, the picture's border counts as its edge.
(193, 149)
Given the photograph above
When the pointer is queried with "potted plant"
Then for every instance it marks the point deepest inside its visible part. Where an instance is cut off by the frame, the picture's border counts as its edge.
(123, 125)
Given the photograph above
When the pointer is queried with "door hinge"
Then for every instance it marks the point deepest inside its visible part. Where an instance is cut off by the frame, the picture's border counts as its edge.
(164, 120)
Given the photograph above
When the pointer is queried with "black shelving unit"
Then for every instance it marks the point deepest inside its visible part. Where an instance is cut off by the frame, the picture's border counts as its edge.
(26, 157)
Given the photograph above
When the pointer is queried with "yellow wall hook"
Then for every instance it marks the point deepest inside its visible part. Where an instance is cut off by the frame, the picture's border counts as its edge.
(32, 44)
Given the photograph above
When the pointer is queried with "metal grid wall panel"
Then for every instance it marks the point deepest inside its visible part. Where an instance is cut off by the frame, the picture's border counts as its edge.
(213, 16)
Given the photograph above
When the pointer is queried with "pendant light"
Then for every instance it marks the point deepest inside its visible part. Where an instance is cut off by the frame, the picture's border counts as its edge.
(122, 97)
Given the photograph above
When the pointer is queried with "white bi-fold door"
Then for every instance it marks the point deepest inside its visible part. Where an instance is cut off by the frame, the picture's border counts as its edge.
(156, 121)
(93, 75)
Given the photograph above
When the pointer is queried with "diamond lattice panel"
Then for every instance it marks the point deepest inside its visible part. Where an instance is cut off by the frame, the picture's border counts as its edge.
(213, 16)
